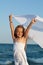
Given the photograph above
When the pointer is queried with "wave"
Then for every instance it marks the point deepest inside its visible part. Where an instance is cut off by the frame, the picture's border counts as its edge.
(6, 62)
(38, 60)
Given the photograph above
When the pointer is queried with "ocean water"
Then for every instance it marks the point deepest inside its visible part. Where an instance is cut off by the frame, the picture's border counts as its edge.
(34, 54)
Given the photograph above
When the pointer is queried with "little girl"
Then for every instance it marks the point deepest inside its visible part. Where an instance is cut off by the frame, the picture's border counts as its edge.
(19, 36)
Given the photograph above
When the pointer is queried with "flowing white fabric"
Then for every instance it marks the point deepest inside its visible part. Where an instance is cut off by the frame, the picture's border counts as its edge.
(36, 33)
(19, 54)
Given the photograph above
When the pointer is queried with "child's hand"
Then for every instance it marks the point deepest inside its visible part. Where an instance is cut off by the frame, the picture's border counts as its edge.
(33, 21)
(10, 18)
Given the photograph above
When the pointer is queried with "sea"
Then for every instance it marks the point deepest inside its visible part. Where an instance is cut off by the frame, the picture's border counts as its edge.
(33, 51)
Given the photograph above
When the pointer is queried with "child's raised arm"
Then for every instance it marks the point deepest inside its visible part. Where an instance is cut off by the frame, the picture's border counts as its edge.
(11, 26)
(29, 27)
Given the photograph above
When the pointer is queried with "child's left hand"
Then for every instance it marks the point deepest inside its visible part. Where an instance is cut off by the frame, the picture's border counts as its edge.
(33, 20)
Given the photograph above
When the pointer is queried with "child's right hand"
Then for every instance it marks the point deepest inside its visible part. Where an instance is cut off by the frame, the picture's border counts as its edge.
(10, 18)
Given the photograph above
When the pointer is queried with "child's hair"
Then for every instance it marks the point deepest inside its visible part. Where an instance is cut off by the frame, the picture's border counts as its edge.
(15, 31)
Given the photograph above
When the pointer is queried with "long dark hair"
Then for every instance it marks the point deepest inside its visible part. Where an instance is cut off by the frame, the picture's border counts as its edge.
(15, 31)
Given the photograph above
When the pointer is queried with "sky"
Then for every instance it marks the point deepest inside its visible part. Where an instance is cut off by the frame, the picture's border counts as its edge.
(16, 7)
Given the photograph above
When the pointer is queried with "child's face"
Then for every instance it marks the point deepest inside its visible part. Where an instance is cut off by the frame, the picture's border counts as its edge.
(19, 32)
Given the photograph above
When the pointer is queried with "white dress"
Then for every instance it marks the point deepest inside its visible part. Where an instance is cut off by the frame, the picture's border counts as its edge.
(19, 54)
